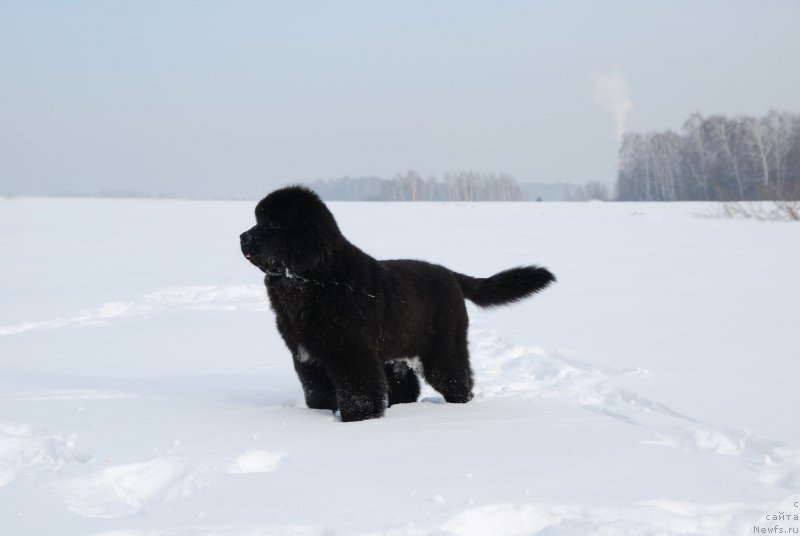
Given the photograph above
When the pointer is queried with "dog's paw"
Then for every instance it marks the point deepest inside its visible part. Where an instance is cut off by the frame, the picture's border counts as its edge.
(361, 407)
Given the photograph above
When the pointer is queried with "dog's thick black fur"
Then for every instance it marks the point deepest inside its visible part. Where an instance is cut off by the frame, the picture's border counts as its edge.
(349, 320)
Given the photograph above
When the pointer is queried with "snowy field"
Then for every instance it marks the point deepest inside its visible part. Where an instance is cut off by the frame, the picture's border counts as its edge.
(655, 389)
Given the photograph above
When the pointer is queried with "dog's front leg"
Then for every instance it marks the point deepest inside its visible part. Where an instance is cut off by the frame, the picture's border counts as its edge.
(318, 388)
(361, 387)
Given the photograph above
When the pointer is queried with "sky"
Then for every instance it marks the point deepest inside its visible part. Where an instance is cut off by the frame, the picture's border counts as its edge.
(231, 99)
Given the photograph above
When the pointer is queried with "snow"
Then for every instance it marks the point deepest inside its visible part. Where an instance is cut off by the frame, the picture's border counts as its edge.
(653, 390)
(257, 461)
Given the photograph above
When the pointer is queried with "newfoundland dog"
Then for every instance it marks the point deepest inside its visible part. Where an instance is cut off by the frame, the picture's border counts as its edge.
(351, 321)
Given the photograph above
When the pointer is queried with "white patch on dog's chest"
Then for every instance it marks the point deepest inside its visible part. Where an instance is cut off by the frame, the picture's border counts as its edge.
(303, 356)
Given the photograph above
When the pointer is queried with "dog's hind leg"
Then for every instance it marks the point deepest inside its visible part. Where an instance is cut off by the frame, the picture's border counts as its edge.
(446, 364)
(450, 375)
(402, 382)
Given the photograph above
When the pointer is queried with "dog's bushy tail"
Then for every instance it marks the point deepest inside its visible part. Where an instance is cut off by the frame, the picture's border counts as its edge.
(505, 287)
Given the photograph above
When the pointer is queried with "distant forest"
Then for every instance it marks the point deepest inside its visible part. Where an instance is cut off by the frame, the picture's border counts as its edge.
(713, 158)
(411, 186)
(463, 186)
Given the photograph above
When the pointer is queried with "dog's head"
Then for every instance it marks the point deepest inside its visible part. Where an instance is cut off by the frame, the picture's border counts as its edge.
(294, 230)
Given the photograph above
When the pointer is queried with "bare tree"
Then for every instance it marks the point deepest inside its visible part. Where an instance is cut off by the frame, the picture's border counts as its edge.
(695, 159)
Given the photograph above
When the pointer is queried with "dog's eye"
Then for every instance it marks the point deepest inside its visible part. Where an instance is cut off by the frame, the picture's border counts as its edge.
(274, 225)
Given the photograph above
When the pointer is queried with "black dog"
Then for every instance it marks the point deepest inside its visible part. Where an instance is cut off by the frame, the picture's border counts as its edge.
(349, 320)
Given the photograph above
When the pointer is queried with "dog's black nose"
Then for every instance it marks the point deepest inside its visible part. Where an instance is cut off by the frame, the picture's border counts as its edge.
(245, 238)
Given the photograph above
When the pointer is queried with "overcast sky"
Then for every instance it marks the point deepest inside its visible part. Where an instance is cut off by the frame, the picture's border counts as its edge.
(233, 98)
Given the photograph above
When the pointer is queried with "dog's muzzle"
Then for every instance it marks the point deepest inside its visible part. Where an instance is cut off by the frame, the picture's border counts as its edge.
(246, 241)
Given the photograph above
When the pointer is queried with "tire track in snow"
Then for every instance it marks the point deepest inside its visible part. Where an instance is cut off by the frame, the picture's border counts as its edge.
(127, 489)
(123, 490)
(23, 448)
(503, 368)
(648, 518)
(203, 298)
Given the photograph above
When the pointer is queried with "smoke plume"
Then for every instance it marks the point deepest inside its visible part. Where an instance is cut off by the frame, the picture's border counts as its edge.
(612, 93)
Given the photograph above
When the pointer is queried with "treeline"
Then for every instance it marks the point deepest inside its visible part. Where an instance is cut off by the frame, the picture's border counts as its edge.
(411, 186)
(713, 158)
